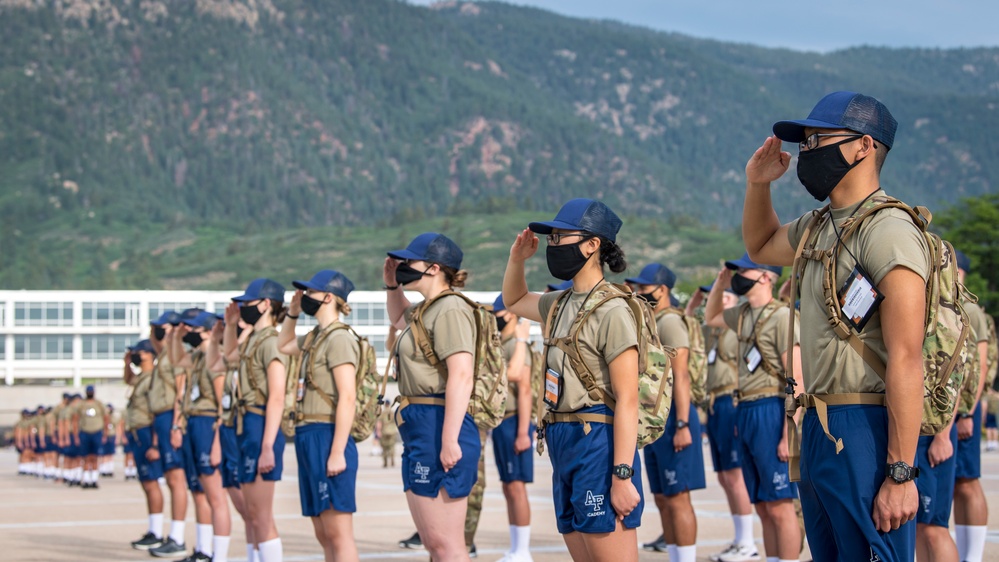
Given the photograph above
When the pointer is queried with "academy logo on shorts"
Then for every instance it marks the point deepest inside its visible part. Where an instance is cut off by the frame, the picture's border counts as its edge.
(324, 491)
(670, 477)
(205, 460)
(596, 502)
(251, 465)
(874, 556)
(421, 472)
(926, 503)
(735, 456)
(780, 481)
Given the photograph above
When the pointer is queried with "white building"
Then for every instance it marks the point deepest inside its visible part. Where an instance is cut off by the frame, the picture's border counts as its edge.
(73, 337)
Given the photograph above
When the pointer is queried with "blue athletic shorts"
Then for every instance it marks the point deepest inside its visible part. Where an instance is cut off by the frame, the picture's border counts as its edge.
(936, 484)
(512, 467)
(200, 436)
(190, 466)
(317, 491)
(142, 441)
(170, 457)
(420, 427)
(90, 443)
(109, 447)
(761, 427)
(671, 473)
(581, 476)
(969, 451)
(837, 491)
(990, 421)
(250, 443)
(73, 450)
(230, 456)
(722, 437)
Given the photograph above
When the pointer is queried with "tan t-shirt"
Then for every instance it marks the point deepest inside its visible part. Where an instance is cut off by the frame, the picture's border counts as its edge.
(200, 396)
(979, 325)
(163, 388)
(229, 395)
(725, 369)
(609, 331)
(509, 346)
(770, 340)
(886, 240)
(336, 348)
(450, 325)
(91, 414)
(261, 351)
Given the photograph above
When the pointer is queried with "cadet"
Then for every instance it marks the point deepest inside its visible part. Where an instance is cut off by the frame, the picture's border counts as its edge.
(90, 420)
(325, 406)
(842, 146)
(971, 512)
(597, 507)
(440, 440)
(991, 427)
(512, 438)
(21, 434)
(202, 449)
(761, 325)
(106, 460)
(260, 409)
(74, 461)
(388, 433)
(722, 347)
(162, 402)
(674, 463)
(139, 422)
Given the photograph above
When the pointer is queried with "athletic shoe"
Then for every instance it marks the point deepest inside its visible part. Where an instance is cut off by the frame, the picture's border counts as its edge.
(472, 552)
(197, 557)
(514, 557)
(147, 542)
(658, 545)
(169, 549)
(412, 542)
(740, 553)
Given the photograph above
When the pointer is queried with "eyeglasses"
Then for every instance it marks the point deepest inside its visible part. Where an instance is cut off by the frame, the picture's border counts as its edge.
(555, 237)
(812, 141)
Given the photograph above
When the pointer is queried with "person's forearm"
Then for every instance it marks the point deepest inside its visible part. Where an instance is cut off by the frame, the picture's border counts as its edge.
(345, 408)
(287, 335)
(983, 363)
(514, 283)
(715, 308)
(272, 419)
(230, 343)
(625, 428)
(759, 220)
(524, 407)
(396, 304)
(904, 400)
(681, 392)
(456, 396)
(516, 370)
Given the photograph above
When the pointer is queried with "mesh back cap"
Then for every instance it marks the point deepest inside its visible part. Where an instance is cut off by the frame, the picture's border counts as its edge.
(844, 110)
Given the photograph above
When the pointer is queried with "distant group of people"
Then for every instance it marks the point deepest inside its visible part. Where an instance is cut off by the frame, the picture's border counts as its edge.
(812, 394)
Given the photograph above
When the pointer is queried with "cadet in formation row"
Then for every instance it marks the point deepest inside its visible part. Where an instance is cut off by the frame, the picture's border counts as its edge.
(862, 267)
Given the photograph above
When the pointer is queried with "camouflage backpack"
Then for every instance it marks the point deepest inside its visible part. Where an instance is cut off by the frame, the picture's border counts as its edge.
(488, 403)
(369, 397)
(992, 356)
(697, 362)
(290, 389)
(972, 376)
(655, 376)
(537, 380)
(945, 355)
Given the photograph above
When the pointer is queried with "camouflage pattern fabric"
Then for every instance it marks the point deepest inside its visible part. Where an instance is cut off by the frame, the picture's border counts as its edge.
(697, 362)
(474, 510)
(993, 351)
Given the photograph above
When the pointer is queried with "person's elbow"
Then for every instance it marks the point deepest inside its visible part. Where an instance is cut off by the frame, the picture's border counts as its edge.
(715, 321)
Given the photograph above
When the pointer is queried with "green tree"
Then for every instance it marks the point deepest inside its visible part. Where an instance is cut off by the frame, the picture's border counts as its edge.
(972, 226)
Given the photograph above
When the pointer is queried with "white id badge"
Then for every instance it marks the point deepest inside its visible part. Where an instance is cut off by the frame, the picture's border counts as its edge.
(553, 388)
(859, 298)
(226, 402)
(195, 392)
(753, 359)
(301, 389)
(713, 355)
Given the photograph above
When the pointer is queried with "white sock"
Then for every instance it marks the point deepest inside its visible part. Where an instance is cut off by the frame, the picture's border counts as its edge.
(976, 543)
(270, 551)
(156, 524)
(177, 531)
(961, 540)
(204, 535)
(251, 553)
(744, 529)
(686, 553)
(94, 476)
(674, 556)
(772, 559)
(523, 541)
(782, 560)
(220, 549)
(513, 538)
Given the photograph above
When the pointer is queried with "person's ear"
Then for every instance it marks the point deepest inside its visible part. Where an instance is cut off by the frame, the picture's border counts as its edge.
(593, 245)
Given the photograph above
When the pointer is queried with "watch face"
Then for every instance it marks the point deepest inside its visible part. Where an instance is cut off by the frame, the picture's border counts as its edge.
(899, 473)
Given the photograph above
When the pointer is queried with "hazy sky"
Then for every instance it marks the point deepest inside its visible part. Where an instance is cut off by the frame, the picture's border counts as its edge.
(802, 24)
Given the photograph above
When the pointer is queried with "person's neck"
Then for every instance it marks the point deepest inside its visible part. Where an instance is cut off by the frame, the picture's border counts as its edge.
(759, 297)
(587, 278)
(147, 367)
(849, 193)
(326, 316)
(435, 288)
(266, 321)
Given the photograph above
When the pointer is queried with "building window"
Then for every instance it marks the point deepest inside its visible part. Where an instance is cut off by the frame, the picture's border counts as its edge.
(43, 314)
(110, 313)
(378, 342)
(3, 314)
(107, 346)
(43, 347)
(368, 314)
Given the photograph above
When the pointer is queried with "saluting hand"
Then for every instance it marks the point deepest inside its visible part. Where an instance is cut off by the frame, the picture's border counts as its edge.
(388, 272)
(524, 246)
(724, 278)
(895, 505)
(697, 298)
(450, 455)
(232, 313)
(523, 330)
(624, 497)
(768, 163)
(295, 306)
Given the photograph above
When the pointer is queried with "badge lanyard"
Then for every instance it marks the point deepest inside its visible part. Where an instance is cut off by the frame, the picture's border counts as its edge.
(554, 382)
(859, 297)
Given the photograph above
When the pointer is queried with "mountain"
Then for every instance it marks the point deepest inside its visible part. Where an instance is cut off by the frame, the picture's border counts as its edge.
(128, 128)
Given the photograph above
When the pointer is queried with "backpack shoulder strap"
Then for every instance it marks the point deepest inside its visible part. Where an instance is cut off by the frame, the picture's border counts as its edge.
(420, 334)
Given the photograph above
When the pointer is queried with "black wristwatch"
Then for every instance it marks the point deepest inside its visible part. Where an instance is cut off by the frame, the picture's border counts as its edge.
(624, 472)
(901, 473)
(682, 424)
(965, 416)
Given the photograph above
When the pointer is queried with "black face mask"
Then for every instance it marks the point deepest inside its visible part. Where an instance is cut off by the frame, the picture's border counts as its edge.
(500, 323)
(647, 297)
(821, 169)
(565, 261)
(742, 285)
(193, 339)
(250, 314)
(136, 359)
(405, 274)
(159, 332)
(310, 305)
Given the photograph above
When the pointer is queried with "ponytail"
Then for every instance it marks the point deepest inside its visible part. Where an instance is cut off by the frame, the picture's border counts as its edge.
(612, 255)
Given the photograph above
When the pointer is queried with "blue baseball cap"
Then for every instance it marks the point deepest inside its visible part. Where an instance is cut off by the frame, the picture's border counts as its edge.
(90, 390)
(843, 110)
(262, 289)
(582, 214)
(327, 281)
(745, 263)
(654, 274)
(169, 317)
(188, 315)
(143, 345)
(963, 261)
(498, 305)
(431, 247)
(673, 301)
(560, 286)
(707, 288)
(65, 396)
(203, 319)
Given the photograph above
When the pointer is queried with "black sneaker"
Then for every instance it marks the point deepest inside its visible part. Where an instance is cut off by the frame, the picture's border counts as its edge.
(658, 545)
(169, 549)
(147, 542)
(198, 557)
(472, 552)
(412, 542)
